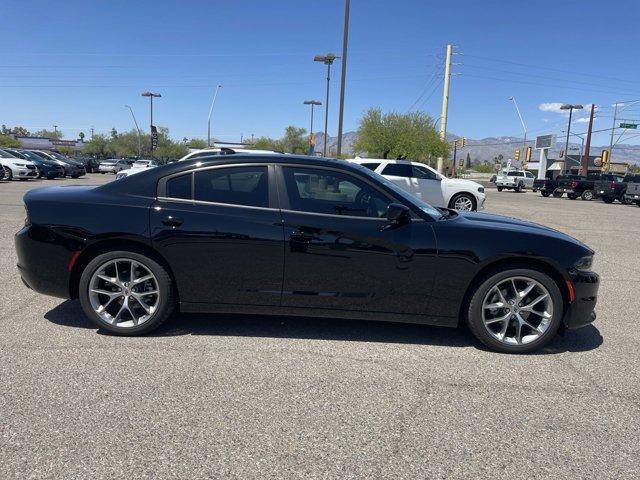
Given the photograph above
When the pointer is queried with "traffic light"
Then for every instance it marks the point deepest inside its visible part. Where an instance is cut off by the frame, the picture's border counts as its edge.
(463, 142)
(516, 156)
(527, 156)
(605, 161)
(461, 163)
(561, 154)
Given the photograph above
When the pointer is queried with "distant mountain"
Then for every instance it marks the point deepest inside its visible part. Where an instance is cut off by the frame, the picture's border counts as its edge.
(486, 149)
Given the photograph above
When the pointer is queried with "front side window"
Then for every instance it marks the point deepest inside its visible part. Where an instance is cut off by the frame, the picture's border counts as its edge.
(236, 186)
(398, 170)
(334, 193)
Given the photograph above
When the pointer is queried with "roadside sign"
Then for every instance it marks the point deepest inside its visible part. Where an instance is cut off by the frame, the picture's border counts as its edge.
(544, 142)
(633, 126)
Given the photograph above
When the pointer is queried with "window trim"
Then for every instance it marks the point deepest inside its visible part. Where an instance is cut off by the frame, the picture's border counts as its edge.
(283, 194)
(161, 189)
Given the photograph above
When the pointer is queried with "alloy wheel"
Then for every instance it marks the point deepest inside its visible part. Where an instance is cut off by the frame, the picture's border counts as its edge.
(517, 310)
(124, 292)
(463, 203)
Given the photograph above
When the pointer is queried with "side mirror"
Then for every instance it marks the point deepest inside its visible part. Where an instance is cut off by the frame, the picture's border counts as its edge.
(398, 215)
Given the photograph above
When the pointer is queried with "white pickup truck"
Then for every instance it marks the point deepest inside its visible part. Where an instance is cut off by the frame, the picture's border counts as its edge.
(516, 180)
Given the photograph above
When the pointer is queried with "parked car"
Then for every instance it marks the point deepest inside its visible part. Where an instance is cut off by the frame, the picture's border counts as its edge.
(610, 187)
(71, 168)
(212, 151)
(427, 184)
(16, 168)
(547, 186)
(632, 195)
(294, 235)
(576, 186)
(113, 165)
(137, 167)
(516, 180)
(90, 164)
(46, 168)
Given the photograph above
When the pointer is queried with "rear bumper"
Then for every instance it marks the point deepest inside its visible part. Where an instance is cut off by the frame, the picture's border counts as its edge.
(43, 260)
(581, 310)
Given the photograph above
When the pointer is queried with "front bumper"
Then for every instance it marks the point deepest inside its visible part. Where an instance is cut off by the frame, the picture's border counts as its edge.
(635, 198)
(581, 311)
(24, 173)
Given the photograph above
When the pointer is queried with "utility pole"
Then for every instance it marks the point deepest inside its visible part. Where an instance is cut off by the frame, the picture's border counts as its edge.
(455, 155)
(445, 102)
(345, 41)
(139, 133)
(584, 166)
(91, 132)
(571, 108)
(215, 95)
(613, 128)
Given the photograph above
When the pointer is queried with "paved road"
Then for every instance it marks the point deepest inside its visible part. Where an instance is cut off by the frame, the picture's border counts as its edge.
(251, 397)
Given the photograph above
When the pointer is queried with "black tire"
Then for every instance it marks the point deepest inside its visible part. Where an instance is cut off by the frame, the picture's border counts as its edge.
(519, 187)
(482, 287)
(572, 196)
(165, 287)
(468, 196)
(623, 200)
(608, 199)
(499, 189)
(8, 174)
(557, 194)
(545, 193)
(587, 195)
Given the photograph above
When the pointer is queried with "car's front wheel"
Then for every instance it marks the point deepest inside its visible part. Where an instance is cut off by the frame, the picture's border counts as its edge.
(515, 310)
(499, 189)
(8, 174)
(126, 293)
(545, 193)
(463, 202)
(587, 195)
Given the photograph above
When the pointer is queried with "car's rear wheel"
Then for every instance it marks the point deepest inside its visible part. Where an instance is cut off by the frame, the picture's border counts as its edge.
(557, 193)
(587, 195)
(463, 202)
(499, 189)
(126, 293)
(519, 187)
(516, 310)
(623, 200)
(545, 193)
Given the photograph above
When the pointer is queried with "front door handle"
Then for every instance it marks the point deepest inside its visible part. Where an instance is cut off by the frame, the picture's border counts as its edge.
(171, 221)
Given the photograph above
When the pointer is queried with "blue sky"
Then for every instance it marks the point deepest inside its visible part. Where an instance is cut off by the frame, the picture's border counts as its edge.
(76, 64)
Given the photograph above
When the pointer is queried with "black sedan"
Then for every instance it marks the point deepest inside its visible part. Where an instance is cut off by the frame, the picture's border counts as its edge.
(289, 235)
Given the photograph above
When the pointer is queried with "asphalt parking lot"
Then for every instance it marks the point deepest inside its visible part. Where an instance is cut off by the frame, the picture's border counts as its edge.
(254, 397)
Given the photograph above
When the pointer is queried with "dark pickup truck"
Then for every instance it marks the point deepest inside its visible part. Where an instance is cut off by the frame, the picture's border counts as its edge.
(610, 187)
(632, 195)
(547, 186)
(576, 186)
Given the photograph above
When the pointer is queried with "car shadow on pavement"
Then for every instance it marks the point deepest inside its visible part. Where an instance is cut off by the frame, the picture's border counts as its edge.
(70, 314)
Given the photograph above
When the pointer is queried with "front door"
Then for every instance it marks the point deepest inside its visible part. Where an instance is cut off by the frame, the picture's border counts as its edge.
(222, 234)
(337, 256)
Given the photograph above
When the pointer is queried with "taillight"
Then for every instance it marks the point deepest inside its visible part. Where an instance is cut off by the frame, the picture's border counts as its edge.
(573, 184)
(613, 185)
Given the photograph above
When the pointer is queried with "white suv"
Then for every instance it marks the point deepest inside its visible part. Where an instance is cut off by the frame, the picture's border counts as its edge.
(427, 184)
(516, 180)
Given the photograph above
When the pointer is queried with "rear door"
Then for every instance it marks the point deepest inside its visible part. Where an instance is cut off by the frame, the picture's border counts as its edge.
(337, 257)
(220, 230)
(429, 186)
(402, 175)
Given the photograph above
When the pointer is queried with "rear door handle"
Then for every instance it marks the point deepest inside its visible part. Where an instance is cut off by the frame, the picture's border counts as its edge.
(172, 221)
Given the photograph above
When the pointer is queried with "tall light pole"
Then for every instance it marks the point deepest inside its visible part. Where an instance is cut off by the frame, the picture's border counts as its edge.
(513, 99)
(571, 108)
(215, 95)
(445, 103)
(312, 103)
(138, 129)
(328, 60)
(151, 96)
(343, 77)
(581, 141)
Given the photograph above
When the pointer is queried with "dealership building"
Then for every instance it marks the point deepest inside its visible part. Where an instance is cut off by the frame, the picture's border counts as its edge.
(43, 143)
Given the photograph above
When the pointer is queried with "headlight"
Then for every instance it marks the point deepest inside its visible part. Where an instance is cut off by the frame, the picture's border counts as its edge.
(584, 264)
(20, 164)
(481, 189)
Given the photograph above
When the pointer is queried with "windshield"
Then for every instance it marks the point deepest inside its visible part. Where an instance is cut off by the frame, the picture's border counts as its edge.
(425, 207)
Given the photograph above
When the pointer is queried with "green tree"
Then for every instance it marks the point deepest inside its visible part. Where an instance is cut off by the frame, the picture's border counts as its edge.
(266, 143)
(18, 131)
(195, 143)
(54, 134)
(10, 142)
(401, 136)
(294, 140)
(99, 146)
(68, 151)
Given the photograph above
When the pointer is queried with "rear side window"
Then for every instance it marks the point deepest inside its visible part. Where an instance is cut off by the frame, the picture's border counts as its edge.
(423, 173)
(398, 170)
(179, 187)
(371, 166)
(236, 186)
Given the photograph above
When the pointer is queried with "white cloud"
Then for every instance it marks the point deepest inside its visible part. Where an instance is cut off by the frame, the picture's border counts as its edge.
(551, 107)
(584, 120)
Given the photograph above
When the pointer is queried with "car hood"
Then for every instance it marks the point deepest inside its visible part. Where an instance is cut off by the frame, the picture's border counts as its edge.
(502, 222)
(462, 183)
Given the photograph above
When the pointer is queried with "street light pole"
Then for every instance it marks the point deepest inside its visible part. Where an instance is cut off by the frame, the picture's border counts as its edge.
(151, 96)
(312, 103)
(215, 95)
(521, 121)
(328, 60)
(343, 77)
(571, 108)
(139, 133)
